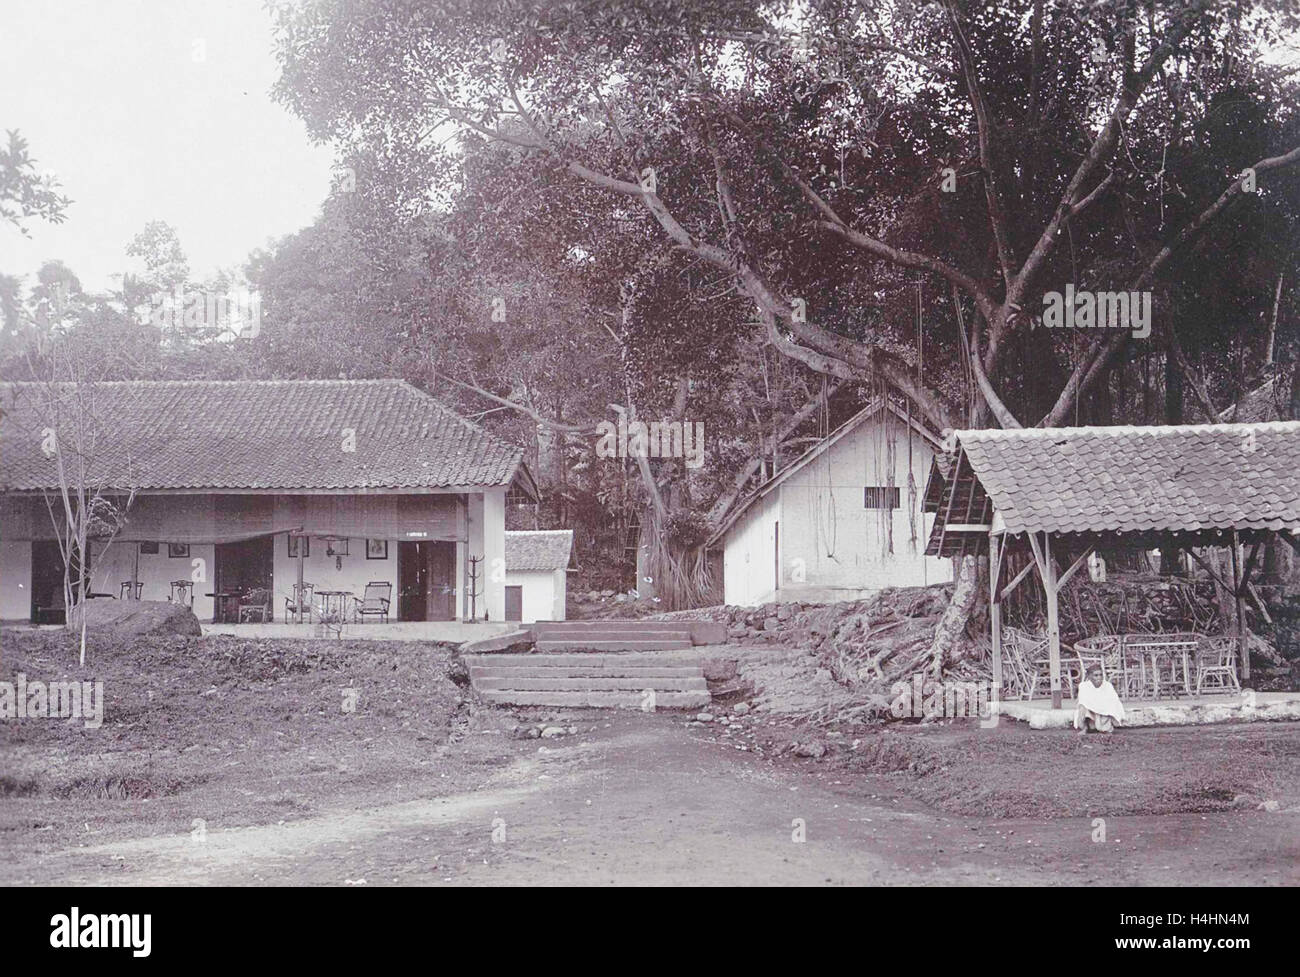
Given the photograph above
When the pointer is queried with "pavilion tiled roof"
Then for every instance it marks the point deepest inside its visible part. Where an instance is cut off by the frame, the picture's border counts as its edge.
(544, 549)
(1141, 480)
(1266, 402)
(276, 435)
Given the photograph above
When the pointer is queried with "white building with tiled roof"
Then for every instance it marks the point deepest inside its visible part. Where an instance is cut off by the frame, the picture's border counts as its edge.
(841, 522)
(537, 565)
(243, 486)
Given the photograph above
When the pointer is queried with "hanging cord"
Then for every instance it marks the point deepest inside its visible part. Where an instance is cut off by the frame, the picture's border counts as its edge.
(920, 333)
(824, 514)
(911, 484)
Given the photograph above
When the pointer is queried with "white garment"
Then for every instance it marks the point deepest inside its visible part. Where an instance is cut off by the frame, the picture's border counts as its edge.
(1101, 699)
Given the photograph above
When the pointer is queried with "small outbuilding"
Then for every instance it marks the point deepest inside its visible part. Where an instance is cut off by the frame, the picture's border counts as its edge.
(842, 521)
(537, 566)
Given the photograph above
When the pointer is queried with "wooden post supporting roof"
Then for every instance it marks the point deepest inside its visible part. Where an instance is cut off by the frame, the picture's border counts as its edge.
(1240, 577)
(1053, 620)
(1052, 585)
(298, 597)
(995, 612)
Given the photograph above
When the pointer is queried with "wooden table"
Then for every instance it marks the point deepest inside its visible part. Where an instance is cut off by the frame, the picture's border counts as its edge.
(223, 612)
(333, 609)
(1173, 648)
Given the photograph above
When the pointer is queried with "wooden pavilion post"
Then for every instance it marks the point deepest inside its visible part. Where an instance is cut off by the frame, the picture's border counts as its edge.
(1239, 623)
(297, 597)
(995, 613)
(1053, 620)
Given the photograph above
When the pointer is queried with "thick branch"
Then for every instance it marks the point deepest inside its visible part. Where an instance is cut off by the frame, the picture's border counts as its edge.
(1102, 147)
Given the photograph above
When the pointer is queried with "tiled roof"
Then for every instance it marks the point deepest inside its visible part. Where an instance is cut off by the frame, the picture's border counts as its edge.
(546, 549)
(1140, 479)
(257, 435)
(1265, 403)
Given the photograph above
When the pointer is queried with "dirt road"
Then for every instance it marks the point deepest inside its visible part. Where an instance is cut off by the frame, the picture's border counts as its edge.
(648, 800)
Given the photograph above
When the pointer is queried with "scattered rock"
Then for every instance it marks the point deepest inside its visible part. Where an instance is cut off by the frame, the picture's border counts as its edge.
(740, 708)
(137, 617)
(550, 732)
(1269, 806)
(705, 717)
(719, 669)
(814, 750)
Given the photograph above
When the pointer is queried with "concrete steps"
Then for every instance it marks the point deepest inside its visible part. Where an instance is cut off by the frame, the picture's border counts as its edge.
(589, 680)
(632, 635)
(615, 643)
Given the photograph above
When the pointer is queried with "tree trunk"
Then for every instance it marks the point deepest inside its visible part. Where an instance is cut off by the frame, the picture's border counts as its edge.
(1293, 413)
(965, 598)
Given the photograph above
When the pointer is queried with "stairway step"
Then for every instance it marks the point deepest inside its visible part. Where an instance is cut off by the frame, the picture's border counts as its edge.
(619, 659)
(613, 644)
(567, 684)
(633, 672)
(595, 700)
(620, 625)
(613, 634)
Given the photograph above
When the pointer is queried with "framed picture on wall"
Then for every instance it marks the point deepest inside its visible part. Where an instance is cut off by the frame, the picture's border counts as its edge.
(294, 542)
(149, 549)
(376, 549)
(336, 547)
(178, 551)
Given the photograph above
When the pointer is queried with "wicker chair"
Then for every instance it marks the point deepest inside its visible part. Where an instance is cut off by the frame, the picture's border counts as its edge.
(255, 605)
(374, 602)
(297, 608)
(1032, 655)
(1216, 660)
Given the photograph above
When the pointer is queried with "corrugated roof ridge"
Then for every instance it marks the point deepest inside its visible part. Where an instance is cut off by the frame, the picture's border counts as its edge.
(1127, 429)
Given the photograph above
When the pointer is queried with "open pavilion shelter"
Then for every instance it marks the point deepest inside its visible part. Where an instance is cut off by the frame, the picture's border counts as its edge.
(1062, 493)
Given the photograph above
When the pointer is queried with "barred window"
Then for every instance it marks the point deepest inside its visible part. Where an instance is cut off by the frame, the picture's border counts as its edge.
(880, 497)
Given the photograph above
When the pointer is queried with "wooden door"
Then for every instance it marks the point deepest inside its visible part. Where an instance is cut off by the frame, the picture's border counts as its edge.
(412, 581)
(514, 603)
(442, 581)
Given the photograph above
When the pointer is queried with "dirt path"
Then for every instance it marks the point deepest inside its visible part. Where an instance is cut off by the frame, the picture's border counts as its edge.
(650, 801)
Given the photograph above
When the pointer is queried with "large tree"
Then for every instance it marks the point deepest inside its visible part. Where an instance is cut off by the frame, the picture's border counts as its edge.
(889, 188)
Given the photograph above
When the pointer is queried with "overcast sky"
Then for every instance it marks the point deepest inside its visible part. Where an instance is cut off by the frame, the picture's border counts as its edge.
(153, 110)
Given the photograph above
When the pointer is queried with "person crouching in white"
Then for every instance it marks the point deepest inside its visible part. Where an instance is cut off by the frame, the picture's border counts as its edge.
(1099, 706)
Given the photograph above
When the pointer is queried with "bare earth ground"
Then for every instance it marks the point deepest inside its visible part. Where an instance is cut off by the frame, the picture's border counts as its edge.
(412, 786)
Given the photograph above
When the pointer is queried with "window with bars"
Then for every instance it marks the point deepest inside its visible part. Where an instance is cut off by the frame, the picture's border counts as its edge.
(880, 497)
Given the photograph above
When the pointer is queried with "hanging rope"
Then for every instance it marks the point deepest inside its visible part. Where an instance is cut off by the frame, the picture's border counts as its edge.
(824, 514)
(920, 333)
(911, 484)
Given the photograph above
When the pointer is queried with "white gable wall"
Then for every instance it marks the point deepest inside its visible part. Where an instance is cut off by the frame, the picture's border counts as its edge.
(749, 557)
(832, 546)
(544, 593)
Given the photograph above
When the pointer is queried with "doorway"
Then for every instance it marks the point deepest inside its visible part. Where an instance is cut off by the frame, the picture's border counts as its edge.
(241, 567)
(426, 575)
(47, 582)
(514, 603)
